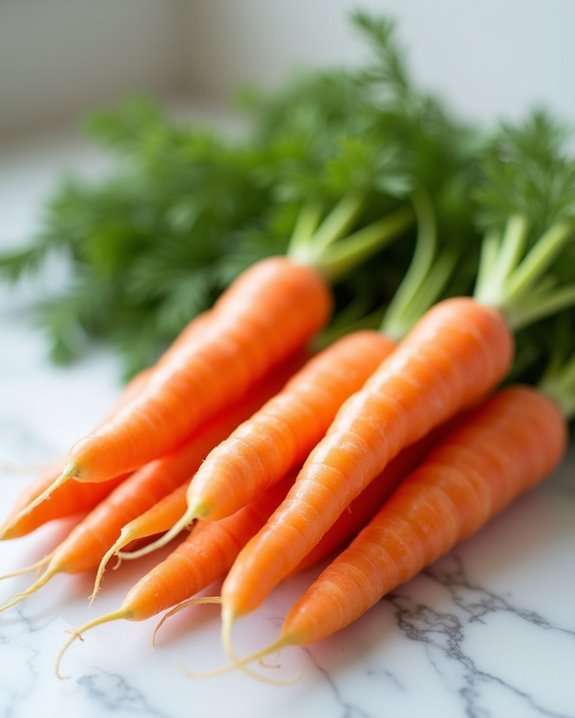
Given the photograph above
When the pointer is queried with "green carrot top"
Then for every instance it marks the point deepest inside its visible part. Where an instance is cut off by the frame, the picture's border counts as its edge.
(526, 204)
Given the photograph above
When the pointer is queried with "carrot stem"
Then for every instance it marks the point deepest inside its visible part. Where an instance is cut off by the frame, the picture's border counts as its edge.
(543, 253)
(501, 259)
(337, 223)
(306, 224)
(559, 384)
(425, 247)
(541, 305)
(347, 253)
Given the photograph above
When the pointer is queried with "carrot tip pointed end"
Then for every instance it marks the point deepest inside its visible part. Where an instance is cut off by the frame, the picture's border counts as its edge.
(195, 601)
(171, 534)
(242, 663)
(69, 472)
(28, 569)
(78, 634)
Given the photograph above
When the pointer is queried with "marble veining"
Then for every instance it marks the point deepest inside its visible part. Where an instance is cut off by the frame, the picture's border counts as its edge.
(487, 632)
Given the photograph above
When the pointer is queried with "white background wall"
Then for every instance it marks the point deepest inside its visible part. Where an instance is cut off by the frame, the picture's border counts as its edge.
(59, 57)
(488, 56)
(62, 56)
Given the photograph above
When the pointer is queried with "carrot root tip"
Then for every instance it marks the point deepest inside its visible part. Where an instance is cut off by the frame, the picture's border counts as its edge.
(19, 597)
(77, 634)
(237, 663)
(28, 569)
(196, 601)
(110, 553)
(70, 470)
(177, 528)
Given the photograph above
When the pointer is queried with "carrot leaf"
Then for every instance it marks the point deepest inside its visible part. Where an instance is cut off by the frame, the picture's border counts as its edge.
(527, 207)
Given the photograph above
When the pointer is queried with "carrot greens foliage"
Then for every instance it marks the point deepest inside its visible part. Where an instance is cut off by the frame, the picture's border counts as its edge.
(331, 167)
(185, 208)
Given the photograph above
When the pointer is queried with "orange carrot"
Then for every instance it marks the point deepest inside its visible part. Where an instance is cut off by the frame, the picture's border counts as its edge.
(270, 311)
(202, 558)
(74, 497)
(84, 548)
(365, 506)
(209, 551)
(281, 434)
(500, 450)
(168, 510)
(453, 356)
(273, 308)
(504, 448)
(158, 518)
(69, 499)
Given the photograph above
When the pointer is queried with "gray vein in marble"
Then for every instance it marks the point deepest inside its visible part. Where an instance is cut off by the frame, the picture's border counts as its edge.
(348, 709)
(479, 602)
(388, 675)
(444, 633)
(113, 693)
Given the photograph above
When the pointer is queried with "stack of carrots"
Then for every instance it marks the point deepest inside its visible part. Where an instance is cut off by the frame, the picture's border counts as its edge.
(380, 452)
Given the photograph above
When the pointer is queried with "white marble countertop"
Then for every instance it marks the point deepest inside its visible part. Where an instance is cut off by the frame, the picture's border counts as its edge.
(488, 632)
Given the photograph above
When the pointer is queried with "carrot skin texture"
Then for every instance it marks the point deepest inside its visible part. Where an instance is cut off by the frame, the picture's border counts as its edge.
(363, 508)
(83, 549)
(202, 558)
(502, 449)
(281, 434)
(457, 353)
(167, 511)
(160, 517)
(274, 308)
(207, 554)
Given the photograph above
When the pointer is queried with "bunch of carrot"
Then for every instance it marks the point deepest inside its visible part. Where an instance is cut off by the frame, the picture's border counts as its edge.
(392, 444)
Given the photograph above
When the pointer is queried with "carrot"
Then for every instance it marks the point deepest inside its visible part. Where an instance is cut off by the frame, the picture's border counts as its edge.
(272, 310)
(84, 548)
(168, 510)
(209, 551)
(281, 434)
(453, 356)
(500, 450)
(197, 562)
(211, 548)
(254, 326)
(362, 509)
(74, 497)
(69, 499)
(158, 518)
